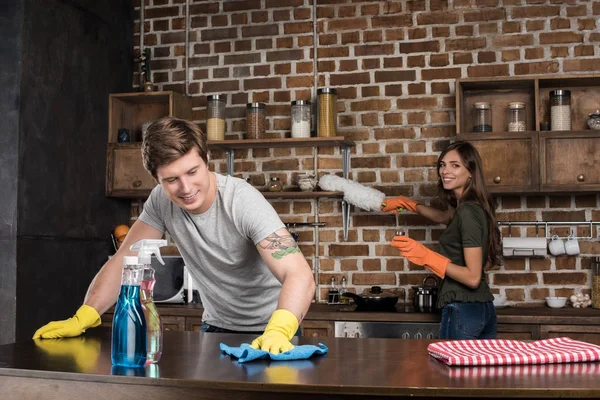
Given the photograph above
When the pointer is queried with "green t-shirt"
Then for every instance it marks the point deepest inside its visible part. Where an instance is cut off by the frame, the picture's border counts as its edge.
(468, 228)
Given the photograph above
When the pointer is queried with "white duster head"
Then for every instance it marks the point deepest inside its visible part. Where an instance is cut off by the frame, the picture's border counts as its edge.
(358, 195)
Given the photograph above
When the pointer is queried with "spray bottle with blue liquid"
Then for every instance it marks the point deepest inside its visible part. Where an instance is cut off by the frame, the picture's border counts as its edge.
(146, 248)
(129, 332)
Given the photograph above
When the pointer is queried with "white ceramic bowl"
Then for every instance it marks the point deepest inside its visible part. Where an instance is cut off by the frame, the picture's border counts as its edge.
(556, 302)
(499, 300)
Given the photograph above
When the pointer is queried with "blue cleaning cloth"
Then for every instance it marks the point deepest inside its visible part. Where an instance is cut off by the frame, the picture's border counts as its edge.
(245, 353)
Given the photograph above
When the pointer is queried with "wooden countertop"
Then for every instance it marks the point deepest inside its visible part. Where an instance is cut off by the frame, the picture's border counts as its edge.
(405, 313)
(192, 366)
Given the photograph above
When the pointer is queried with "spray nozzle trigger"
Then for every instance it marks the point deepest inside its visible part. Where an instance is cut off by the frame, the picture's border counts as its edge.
(147, 247)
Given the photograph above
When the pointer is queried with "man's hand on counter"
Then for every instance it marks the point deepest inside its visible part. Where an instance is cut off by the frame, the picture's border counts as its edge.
(277, 335)
(85, 317)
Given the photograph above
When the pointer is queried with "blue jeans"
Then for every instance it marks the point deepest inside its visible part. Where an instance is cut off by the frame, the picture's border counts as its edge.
(215, 329)
(468, 321)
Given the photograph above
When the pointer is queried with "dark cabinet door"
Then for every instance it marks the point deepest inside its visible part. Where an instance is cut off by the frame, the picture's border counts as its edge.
(510, 160)
(569, 161)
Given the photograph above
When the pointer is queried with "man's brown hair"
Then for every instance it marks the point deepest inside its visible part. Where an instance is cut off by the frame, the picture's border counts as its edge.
(168, 139)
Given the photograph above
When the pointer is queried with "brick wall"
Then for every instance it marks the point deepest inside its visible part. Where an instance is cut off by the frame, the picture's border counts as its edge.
(394, 64)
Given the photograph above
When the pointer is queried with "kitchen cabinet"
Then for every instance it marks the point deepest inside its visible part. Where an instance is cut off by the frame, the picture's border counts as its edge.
(585, 333)
(317, 328)
(125, 173)
(171, 323)
(533, 161)
(518, 331)
(193, 324)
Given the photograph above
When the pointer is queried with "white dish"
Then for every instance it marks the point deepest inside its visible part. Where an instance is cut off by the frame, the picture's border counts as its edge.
(556, 302)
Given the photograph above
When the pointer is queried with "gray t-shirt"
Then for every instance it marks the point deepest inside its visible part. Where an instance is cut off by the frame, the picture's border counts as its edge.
(238, 290)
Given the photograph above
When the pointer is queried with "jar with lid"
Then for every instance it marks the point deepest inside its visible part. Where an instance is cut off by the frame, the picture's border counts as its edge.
(255, 120)
(516, 117)
(560, 110)
(482, 117)
(333, 295)
(327, 112)
(301, 119)
(593, 120)
(596, 282)
(275, 185)
(215, 117)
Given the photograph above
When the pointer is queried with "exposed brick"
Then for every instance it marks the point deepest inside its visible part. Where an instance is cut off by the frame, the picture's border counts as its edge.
(512, 41)
(374, 50)
(515, 264)
(394, 133)
(583, 51)
(218, 34)
(416, 33)
(560, 23)
(539, 293)
(488, 70)
(370, 162)
(511, 27)
(436, 18)
(559, 52)
(560, 37)
(260, 30)
(466, 30)
(565, 262)
(462, 58)
(392, 21)
(297, 28)
(374, 279)
(417, 103)
(534, 53)
(262, 83)
(515, 294)
(586, 24)
(440, 88)
(534, 12)
(414, 161)
(348, 24)
(565, 278)
(581, 65)
(249, 58)
(486, 14)
(241, 5)
(438, 60)
(465, 44)
(420, 47)
(373, 36)
(394, 76)
(515, 279)
(415, 61)
(440, 31)
(440, 73)
(332, 52)
(539, 67)
(437, 131)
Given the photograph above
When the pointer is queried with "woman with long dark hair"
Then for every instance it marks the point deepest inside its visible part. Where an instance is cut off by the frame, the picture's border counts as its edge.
(470, 242)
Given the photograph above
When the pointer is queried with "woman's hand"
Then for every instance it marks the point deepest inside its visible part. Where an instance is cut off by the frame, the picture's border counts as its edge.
(395, 204)
(418, 254)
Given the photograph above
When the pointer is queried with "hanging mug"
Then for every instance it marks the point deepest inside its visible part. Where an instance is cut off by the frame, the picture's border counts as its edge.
(572, 246)
(556, 246)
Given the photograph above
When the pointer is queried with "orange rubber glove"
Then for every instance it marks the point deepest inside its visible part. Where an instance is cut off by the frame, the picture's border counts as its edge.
(85, 317)
(395, 204)
(277, 335)
(418, 254)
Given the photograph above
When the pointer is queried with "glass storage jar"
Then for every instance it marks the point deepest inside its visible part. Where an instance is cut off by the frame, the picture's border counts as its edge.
(301, 119)
(255, 120)
(596, 282)
(327, 112)
(215, 117)
(482, 117)
(560, 110)
(594, 120)
(275, 185)
(516, 117)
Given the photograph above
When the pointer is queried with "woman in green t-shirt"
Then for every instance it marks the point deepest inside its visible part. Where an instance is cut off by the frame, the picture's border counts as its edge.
(470, 241)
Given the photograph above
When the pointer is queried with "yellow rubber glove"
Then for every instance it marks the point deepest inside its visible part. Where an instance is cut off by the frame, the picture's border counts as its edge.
(418, 254)
(85, 317)
(395, 204)
(84, 351)
(277, 335)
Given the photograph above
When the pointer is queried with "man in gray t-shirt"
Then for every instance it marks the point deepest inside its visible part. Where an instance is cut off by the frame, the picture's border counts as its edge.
(247, 264)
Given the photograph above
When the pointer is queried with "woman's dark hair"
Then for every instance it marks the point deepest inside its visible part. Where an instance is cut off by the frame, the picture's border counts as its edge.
(168, 139)
(475, 190)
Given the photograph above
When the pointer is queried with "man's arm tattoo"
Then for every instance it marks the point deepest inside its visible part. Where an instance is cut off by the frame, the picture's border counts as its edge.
(281, 246)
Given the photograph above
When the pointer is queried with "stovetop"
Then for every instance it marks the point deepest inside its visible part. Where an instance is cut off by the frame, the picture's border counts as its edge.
(399, 308)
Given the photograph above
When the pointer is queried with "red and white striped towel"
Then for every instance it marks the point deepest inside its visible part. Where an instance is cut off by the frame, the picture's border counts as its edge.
(513, 352)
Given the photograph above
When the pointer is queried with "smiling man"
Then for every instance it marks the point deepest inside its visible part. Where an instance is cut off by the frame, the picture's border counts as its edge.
(246, 263)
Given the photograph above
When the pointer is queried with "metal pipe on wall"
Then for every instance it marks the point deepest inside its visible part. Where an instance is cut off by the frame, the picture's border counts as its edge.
(187, 45)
